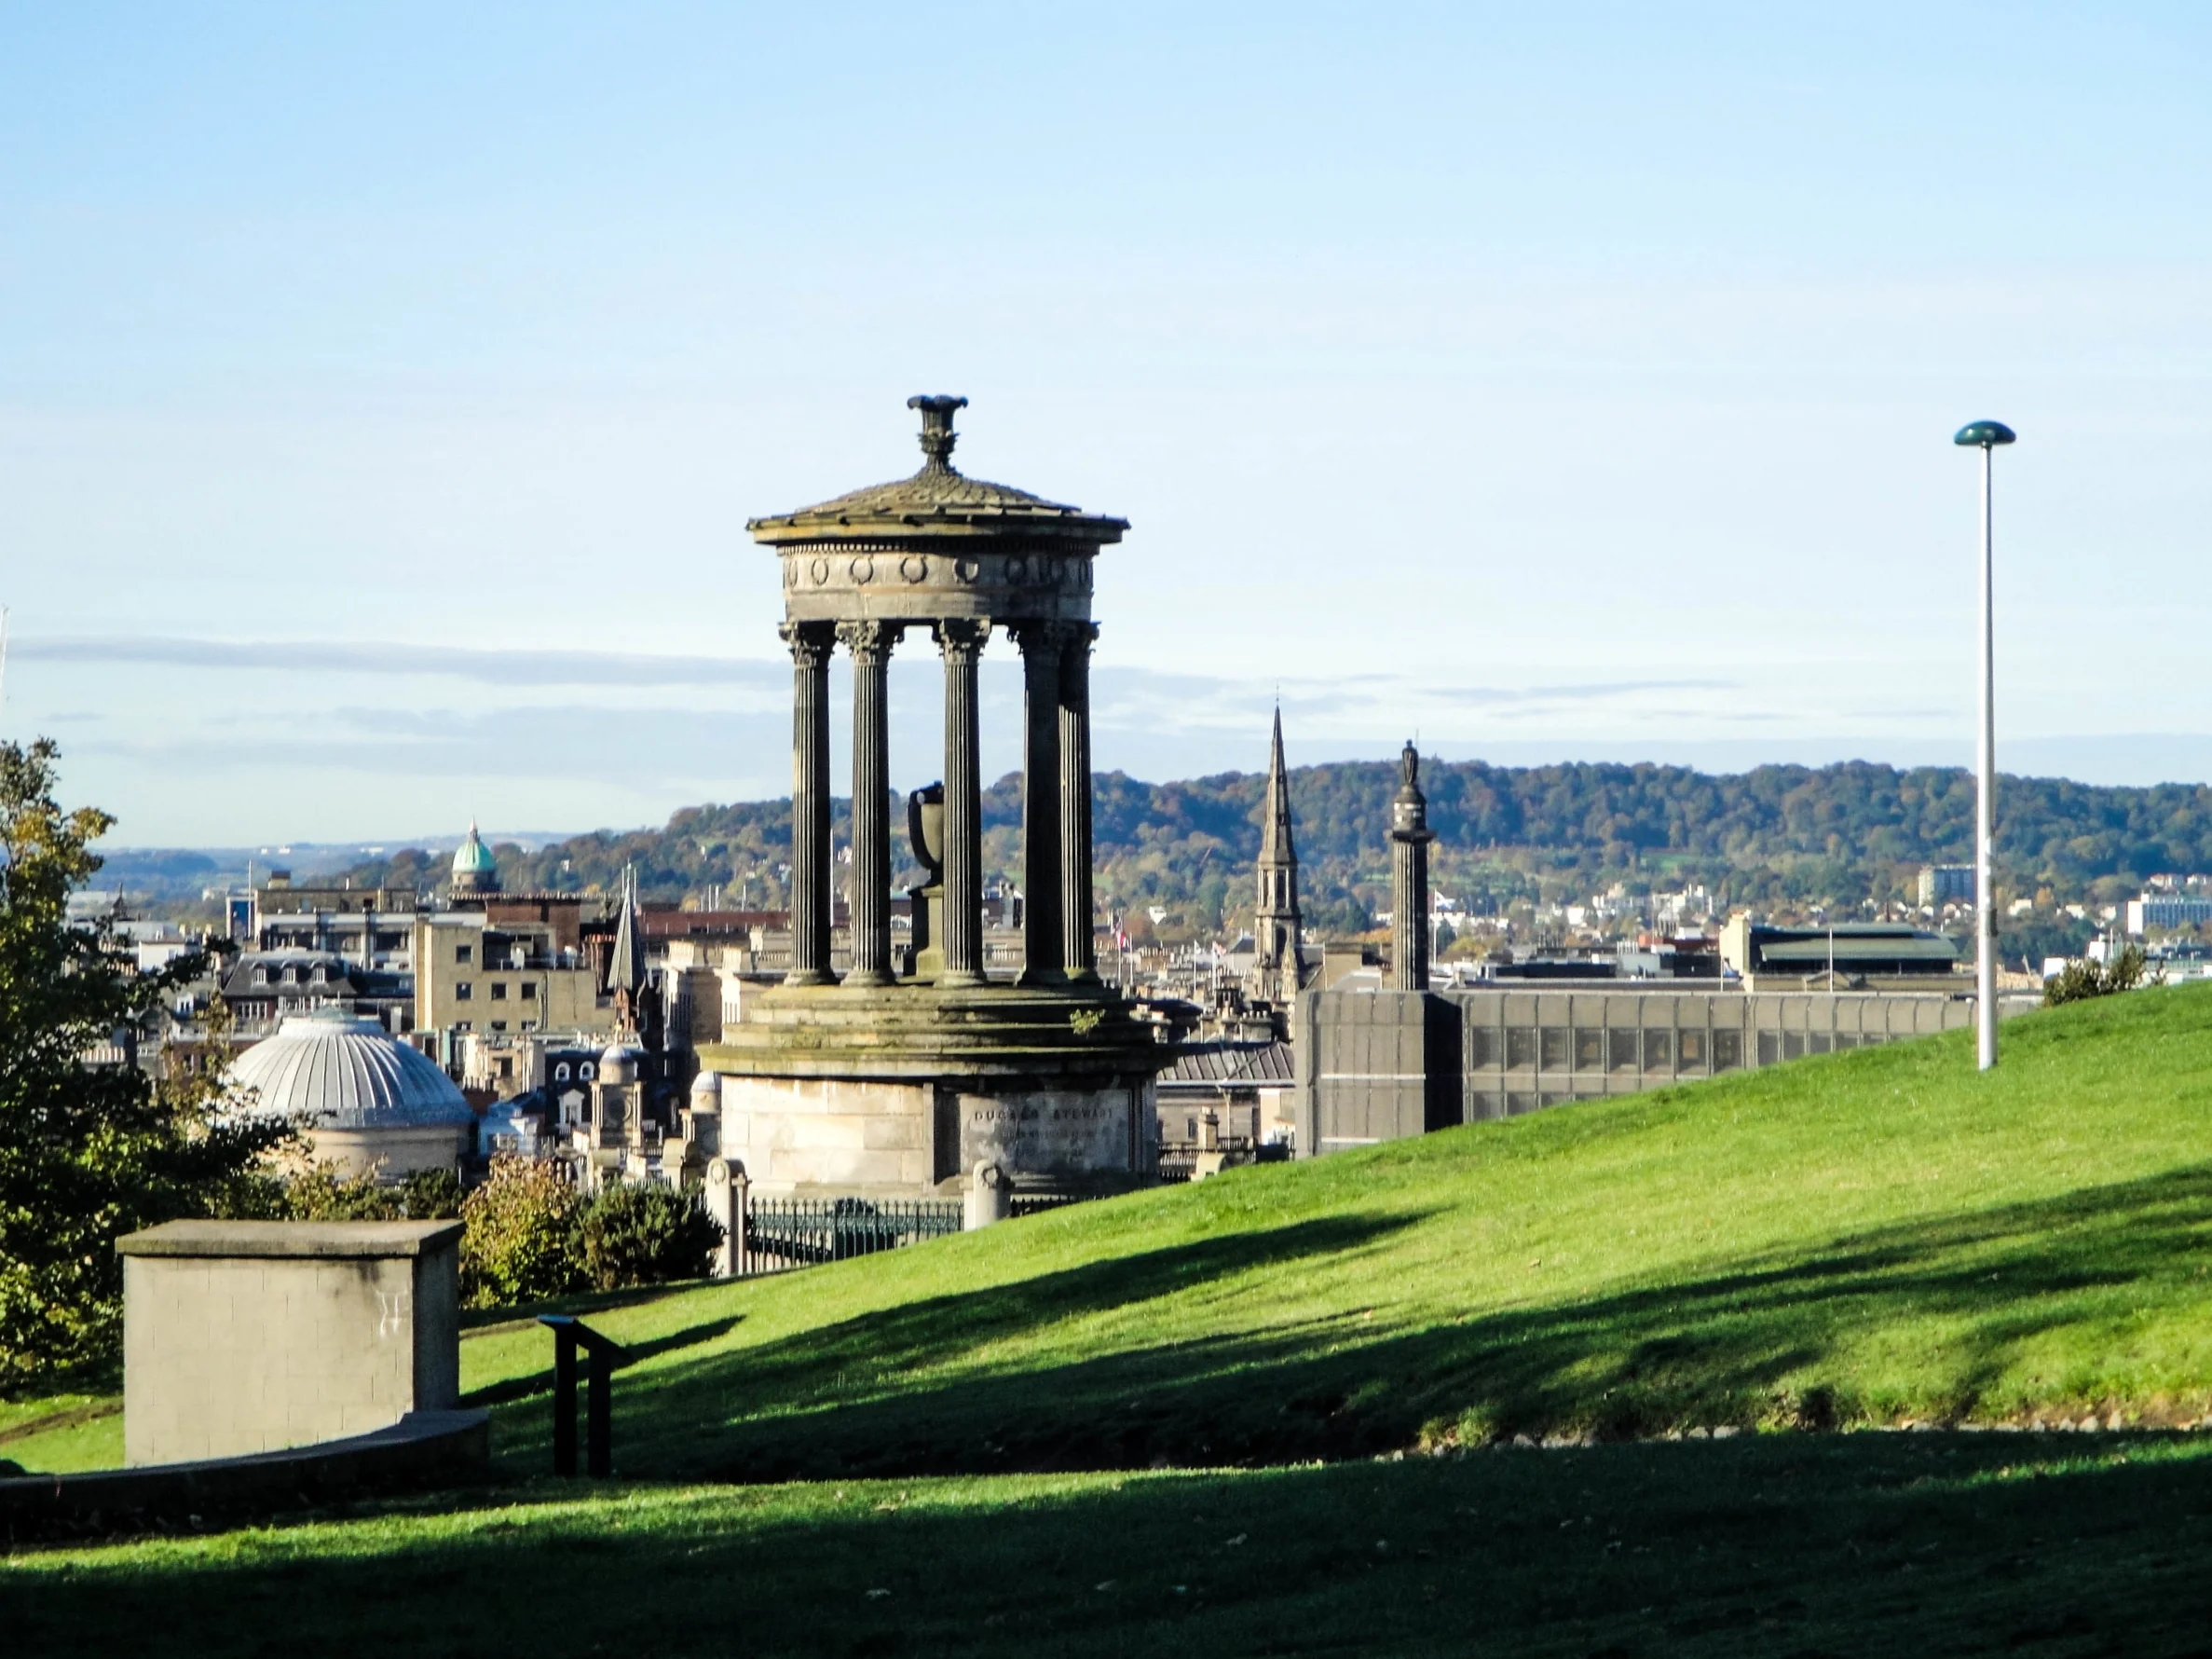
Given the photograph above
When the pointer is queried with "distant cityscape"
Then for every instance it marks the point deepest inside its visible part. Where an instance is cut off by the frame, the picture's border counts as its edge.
(540, 1003)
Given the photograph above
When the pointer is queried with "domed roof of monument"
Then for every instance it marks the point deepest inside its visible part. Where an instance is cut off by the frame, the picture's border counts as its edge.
(938, 495)
(472, 858)
(341, 1071)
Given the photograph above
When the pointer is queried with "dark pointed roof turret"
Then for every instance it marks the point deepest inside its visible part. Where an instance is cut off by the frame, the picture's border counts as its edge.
(625, 962)
(1275, 845)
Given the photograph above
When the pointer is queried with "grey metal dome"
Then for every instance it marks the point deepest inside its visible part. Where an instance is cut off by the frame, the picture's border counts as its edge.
(341, 1071)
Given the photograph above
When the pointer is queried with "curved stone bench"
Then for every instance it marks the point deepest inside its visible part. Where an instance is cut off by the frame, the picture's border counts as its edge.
(423, 1450)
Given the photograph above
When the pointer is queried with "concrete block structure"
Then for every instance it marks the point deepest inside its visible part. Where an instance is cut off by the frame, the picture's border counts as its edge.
(244, 1336)
(1383, 1064)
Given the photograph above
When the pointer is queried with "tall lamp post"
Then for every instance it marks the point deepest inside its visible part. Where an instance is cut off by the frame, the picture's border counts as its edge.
(1986, 436)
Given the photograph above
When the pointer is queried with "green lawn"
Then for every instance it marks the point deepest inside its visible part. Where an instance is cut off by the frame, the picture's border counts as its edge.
(1869, 1238)
(1780, 1544)
(1875, 1238)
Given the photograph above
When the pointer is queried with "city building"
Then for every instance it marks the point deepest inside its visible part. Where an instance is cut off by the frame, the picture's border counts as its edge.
(370, 1104)
(264, 988)
(373, 926)
(1863, 952)
(475, 872)
(1377, 1061)
(1386, 1064)
(508, 963)
(512, 978)
(2168, 911)
(1246, 1087)
(1946, 883)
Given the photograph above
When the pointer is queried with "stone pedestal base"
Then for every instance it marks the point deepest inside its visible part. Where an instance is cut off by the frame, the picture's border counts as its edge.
(244, 1336)
(902, 1090)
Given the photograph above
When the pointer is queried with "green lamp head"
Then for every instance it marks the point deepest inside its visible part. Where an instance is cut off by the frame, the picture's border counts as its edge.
(1983, 434)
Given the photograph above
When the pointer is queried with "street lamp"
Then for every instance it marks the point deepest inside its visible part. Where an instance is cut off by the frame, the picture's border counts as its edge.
(1986, 436)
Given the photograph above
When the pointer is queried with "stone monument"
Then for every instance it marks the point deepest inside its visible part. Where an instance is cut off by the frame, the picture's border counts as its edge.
(242, 1336)
(1409, 877)
(908, 1076)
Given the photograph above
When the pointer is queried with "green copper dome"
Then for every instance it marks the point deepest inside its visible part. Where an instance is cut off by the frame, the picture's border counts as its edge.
(474, 869)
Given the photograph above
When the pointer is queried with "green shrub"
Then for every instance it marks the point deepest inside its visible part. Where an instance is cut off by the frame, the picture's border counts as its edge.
(518, 1242)
(2078, 981)
(322, 1194)
(430, 1195)
(644, 1233)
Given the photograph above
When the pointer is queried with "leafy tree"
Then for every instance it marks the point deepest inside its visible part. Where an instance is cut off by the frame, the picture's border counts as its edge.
(1776, 836)
(644, 1233)
(320, 1193)
(2078, 981)
(86, 1153)
(518, 1234)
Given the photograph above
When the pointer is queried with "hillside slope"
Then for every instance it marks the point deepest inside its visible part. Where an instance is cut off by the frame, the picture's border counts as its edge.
(1865, 1237)
(1773, 834)
(1872, 1237)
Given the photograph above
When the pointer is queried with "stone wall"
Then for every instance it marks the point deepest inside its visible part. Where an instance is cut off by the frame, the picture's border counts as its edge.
(900, 1137)
(242, 1336)
(425, 1449)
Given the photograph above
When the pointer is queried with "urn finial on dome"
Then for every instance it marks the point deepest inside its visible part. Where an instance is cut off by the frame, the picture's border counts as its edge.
(937, 436)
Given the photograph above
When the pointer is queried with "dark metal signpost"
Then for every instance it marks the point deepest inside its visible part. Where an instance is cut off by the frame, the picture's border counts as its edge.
(605, 1354)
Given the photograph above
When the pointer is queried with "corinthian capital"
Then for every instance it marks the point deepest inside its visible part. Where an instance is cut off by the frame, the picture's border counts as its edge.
(811, 642)
(962, 638)
(1041, 638)
(869, 642)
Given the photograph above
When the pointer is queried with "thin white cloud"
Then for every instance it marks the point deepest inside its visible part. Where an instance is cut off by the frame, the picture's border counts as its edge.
(491, 666)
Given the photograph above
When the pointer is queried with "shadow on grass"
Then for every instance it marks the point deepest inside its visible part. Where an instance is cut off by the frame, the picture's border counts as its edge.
(1916, 1543)
(519, 1316)
(521, 1388)
(858, 1398)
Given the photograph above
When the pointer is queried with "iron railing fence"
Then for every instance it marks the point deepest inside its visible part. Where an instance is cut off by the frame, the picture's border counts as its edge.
(781, 1234)
(777, 1235)
(1179, 1158)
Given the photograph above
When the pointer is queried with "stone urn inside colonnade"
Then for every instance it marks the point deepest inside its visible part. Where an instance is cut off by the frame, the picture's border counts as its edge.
(899, 1082)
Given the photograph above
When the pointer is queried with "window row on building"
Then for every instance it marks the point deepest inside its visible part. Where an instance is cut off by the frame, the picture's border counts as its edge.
(525, 990)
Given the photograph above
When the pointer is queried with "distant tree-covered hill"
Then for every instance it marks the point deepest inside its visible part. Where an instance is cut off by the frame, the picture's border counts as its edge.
(1778, 836)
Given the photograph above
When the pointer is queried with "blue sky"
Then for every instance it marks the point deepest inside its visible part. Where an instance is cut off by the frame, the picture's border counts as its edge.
(383, 390)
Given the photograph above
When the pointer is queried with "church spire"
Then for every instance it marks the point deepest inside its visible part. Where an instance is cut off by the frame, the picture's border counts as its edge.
(626, 963)
(1276, 920)
(1275, 834)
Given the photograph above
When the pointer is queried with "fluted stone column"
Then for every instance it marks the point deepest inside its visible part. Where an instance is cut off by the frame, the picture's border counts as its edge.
(811, 644)
(1408, 878)
(961, 640)
(870, 643)
(1076, 955)
(1041, 846)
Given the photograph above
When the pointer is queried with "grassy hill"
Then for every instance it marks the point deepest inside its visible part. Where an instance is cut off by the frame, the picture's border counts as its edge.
(1881, 1237)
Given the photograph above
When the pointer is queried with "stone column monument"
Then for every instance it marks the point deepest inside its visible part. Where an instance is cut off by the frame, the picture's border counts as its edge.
(1409, 877)
(884, 1084)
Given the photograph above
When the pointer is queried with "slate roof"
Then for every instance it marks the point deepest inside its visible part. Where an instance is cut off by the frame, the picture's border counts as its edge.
(1223, 1060)
(341, 974)
(1814, 952)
